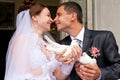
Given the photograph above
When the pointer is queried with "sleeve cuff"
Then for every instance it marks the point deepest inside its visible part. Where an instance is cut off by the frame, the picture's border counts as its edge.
(66, 68)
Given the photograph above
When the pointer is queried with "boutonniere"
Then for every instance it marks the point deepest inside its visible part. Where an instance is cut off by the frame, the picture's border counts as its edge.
(94, 52)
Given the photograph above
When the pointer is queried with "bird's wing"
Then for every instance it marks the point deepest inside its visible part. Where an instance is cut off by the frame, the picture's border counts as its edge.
(53, 46)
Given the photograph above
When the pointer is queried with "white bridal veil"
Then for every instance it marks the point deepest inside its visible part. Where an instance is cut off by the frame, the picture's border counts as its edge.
(23, 26)
(17, 54)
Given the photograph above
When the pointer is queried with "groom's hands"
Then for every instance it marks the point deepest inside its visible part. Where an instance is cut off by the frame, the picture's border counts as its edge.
(87, 71)
(64, 59)
(73, 56)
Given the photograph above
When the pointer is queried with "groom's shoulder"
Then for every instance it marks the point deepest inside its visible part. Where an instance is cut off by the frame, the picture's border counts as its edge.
(100, 32)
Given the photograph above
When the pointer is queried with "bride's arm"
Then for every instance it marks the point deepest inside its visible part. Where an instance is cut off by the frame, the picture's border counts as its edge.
(62, 72)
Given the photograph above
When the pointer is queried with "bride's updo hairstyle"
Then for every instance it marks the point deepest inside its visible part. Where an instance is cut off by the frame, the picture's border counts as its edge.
(26, 5)
(36, 9)
(33, 5)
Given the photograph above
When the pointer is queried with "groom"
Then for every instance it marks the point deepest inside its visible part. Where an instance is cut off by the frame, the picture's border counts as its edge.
(69, 19)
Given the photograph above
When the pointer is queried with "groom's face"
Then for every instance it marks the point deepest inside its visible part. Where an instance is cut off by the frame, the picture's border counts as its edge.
(62, 19)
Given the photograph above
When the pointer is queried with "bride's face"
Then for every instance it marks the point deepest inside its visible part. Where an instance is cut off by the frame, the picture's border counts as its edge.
(44, 20)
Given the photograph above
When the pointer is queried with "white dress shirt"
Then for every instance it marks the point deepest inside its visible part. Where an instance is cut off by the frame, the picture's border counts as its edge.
(80, 36)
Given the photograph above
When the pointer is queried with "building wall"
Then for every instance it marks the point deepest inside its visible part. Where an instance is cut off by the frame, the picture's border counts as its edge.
(107, 16)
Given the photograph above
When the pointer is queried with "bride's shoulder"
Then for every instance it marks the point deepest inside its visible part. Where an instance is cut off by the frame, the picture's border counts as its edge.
(26, 38)
(22, 37)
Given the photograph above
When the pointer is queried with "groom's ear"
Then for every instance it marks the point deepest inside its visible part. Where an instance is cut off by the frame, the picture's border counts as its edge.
(74, 16)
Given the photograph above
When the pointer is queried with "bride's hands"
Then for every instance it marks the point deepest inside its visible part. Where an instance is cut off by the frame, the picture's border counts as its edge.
(63, 59)
(76, 52)
(73, 56)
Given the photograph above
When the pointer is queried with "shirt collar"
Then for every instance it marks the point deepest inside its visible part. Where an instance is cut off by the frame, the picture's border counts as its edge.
(80, 36)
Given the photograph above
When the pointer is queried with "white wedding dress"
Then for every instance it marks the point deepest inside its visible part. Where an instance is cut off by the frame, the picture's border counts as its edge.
(24, 54)
(24, 62)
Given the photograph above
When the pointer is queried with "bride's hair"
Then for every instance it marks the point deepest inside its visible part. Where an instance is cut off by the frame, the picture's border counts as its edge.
(36, 9)
(33, 5)
(26, 4)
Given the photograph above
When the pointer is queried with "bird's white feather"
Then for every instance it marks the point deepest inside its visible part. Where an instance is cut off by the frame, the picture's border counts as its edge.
(57, 48)
(86, 59)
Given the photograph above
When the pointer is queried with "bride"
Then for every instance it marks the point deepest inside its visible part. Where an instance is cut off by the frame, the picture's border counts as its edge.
(26, 59)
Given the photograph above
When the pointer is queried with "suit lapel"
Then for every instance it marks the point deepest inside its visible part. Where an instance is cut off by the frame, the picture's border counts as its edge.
(87, 41)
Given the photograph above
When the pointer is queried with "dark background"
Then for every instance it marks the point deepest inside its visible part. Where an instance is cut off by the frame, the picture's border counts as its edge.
(7, 22)
(5, 36)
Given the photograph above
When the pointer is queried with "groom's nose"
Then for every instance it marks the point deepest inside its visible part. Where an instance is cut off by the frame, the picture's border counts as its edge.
(55, 19)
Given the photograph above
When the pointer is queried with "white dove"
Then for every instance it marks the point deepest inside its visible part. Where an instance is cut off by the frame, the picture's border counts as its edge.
(57, 48)
(86, 59)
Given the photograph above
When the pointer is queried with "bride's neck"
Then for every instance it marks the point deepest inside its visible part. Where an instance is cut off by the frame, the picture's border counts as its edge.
(37, 30)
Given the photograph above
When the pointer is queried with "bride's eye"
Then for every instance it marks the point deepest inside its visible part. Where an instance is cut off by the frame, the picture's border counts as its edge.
(49, 15)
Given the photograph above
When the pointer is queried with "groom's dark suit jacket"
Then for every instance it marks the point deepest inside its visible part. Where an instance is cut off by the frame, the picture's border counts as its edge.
(109, 59)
